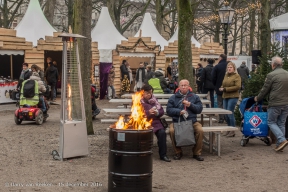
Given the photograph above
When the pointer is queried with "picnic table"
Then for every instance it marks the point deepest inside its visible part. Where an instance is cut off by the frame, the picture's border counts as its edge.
(160, 96)
(127, 102)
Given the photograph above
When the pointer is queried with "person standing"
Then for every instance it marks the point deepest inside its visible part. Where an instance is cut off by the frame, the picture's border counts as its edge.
(155, 111)
(111, 77)
(183, 102)
(149, 74)
(51, 75)
(124, 70)
(243, 71)
(276, 86)
(218, 74)
(230, 87)
(169, 71)
(140, 76)
(198, 78)
(206, 81)
(25, 74)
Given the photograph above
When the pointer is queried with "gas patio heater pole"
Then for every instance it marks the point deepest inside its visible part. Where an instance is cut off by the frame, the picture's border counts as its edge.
(73, 131)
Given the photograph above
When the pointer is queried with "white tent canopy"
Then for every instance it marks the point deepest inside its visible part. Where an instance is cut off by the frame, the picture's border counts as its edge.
(107, 36)
(34, 24)
(149, 30)
(175, 37)
(279, 23)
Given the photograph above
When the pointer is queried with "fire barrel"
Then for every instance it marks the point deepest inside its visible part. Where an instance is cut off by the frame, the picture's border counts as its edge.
(130, 160)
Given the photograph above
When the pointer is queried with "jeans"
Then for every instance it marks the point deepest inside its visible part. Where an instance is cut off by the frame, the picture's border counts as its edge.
(220, 105)
(230, 104)
(276, 121)
(53, 86)
(41, 99)
(211, 91)
(111, 95)
(161, 137)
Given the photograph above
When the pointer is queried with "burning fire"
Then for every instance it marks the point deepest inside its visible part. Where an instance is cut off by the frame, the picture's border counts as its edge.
(137, 119)
(69, 102)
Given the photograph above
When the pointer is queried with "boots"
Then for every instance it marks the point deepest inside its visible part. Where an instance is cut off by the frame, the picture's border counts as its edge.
(231, 134)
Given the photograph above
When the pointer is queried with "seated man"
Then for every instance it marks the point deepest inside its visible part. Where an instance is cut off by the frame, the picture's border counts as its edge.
(184, 101)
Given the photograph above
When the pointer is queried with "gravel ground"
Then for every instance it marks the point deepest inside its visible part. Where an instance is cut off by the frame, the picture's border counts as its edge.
(26, 163)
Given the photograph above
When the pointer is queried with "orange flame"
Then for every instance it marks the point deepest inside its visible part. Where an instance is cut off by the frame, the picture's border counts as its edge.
(69, 102)
(137, 119)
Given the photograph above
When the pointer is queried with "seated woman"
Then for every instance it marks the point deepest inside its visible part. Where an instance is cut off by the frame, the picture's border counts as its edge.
(154, 110)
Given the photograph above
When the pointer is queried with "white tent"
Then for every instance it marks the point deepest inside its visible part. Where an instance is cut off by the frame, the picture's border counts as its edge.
(279, 23)
(34, 24)
(107, 36)
(149, 30)
(175, 37)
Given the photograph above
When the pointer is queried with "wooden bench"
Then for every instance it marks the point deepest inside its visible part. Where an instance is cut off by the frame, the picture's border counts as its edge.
(114, 120)
(217, 130)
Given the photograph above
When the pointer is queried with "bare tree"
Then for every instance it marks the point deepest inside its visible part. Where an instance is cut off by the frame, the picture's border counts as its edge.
(9, 11)
(49, 10)
(82, 25)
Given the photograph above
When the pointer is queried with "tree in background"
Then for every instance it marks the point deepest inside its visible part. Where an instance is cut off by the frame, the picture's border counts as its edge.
(49, 10)
(185, 22)
(82, 25)
(9, 10)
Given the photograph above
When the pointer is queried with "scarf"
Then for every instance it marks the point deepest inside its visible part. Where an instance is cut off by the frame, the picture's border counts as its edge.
(153, 101)
(23, 73)
(143, 74)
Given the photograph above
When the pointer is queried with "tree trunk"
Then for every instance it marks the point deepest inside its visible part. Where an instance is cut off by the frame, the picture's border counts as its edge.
(234, 37)
(70, 13)
(159, 13)
(252, 30)
(82, 25)
(241, 37)
(217, 32)
(185, 18)
(286, 7)
(49, 10)
(111, 8)
(265, 31)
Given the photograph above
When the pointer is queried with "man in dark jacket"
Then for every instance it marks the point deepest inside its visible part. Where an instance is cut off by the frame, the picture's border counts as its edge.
(124, 70)
(218, 74)
(149, 74)
(160, 75)
(276, 86)
(181, 103)
(51, 76)
(206, 81)
(25, 74)
(243, 71)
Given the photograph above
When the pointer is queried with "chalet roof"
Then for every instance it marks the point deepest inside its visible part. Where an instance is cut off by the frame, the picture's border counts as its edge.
(279, 23)
(175, 37)
(34, 24)
(149, 30)
(105, 33)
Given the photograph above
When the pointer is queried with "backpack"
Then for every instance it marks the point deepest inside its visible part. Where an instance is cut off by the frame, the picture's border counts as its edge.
(29, 89)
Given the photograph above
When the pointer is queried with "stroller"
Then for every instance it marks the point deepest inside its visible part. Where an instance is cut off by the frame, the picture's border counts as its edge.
(254, 122)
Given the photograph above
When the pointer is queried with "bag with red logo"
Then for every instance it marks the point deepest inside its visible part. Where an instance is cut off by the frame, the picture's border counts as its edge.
(255, 122)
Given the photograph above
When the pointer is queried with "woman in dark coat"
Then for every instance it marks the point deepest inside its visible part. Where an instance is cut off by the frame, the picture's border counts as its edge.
(206, 80)
(154, 111)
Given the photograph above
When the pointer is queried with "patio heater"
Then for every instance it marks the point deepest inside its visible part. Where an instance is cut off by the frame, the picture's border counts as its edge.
(73, 131)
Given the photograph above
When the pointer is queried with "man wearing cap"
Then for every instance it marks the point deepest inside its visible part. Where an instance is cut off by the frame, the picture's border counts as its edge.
(276, 86)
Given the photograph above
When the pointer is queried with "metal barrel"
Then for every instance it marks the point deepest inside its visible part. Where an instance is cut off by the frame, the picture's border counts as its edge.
(130, 160)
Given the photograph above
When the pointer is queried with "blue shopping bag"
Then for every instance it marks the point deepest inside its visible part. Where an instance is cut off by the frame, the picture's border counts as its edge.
(255, 124)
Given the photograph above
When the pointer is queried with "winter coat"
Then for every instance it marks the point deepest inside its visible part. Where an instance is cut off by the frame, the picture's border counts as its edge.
(175, 106)
(276, 86)
(231, 84)
(51, 74)
(41, 86)
(111, 77)
(206, 77)
(148, 76)
(156, 123)
(163, 82)
(243, 71)
(41, 74)
(218, 74)
(27, 75)
(124, 71)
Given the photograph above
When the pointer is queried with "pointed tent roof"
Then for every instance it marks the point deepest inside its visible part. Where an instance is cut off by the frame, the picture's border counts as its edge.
(279, 23)
(34, 24)
(149, 30)
(175, 37)
(105, 33)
